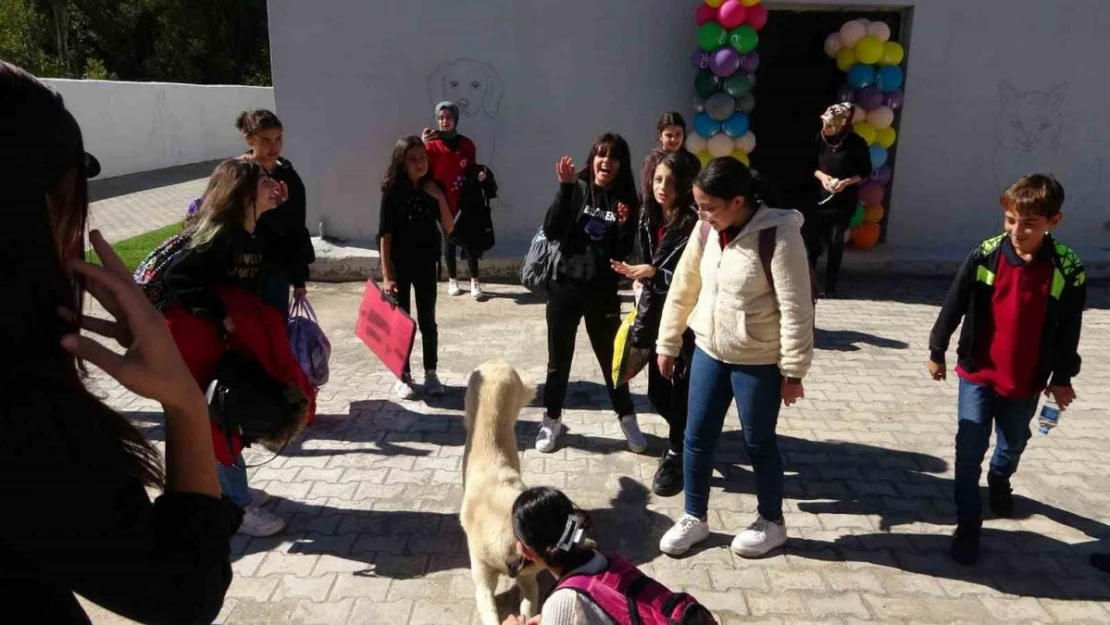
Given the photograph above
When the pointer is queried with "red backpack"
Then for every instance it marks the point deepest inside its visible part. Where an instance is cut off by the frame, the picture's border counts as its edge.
(629, 597)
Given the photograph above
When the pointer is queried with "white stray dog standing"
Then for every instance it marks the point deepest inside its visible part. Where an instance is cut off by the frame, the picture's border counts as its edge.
(495, 395)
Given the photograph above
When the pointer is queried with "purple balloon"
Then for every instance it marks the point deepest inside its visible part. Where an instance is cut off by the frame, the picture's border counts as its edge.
(845, 93)
(724, 62)
(895, 99)
(870, 98)
(700, 59)
(881, 176)
(749, 62)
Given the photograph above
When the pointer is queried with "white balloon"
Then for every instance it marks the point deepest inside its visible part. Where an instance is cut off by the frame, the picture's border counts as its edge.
(745, 142)
(880, 30)
(696, 143)
(833, 45)
(851, 33)
(881, 118)
(720, 145)
(858, 114)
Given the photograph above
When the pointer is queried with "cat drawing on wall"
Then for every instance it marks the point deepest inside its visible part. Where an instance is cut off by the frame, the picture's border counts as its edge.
(1029, 133)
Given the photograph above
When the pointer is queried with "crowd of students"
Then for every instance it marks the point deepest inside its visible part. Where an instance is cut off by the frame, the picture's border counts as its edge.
(724, 300)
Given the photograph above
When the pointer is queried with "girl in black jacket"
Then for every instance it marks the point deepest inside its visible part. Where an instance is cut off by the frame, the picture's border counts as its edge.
(593, 218)
(666, 224)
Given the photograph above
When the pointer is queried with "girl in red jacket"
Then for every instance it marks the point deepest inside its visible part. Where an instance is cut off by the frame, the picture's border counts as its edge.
(450, 155)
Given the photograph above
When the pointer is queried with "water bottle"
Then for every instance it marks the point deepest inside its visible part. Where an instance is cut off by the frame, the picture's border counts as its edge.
(1050, 416)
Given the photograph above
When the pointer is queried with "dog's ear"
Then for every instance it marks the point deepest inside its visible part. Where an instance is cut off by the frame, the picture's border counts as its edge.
(515, 564)
(491, 103)
(436, 92)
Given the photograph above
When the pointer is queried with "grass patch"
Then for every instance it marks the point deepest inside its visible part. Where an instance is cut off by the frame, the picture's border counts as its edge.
(135, 249)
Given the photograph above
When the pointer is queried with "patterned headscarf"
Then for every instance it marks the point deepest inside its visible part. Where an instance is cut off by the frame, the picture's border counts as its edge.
(838, 116)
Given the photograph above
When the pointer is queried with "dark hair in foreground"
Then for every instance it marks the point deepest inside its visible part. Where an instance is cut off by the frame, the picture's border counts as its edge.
(539, 519)
(43, 154)
(1034, 194)
(683, 184)
(251, 122)
(395, 174)
(614, 146)
(727, 178)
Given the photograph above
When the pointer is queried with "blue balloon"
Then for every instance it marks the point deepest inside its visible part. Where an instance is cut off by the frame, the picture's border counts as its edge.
(889, 78)
(878, 156)
(736, 125)
(705, 126)
(860, 76)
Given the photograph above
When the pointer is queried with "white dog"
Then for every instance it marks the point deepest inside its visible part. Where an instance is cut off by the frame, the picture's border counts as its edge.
(495, 395)
(476, 89)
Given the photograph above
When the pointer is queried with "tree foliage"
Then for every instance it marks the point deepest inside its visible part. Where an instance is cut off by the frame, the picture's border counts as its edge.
(193, 41)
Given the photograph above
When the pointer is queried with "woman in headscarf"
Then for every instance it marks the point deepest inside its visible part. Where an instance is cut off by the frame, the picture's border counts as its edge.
(450, 157)
(843, 161)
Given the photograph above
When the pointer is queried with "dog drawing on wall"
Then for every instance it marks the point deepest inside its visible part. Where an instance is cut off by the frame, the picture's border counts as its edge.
(475, 87)
(495, 395)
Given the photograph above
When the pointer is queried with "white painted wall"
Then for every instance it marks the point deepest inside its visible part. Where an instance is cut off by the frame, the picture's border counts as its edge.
(134, 127)
(351, 78)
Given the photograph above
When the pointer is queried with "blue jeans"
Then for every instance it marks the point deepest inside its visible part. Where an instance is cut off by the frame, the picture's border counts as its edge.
(233, 482)
(979, 408)
(757, 390)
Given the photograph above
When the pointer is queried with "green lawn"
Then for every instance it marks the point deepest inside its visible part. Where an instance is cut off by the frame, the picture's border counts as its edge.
(135, 249)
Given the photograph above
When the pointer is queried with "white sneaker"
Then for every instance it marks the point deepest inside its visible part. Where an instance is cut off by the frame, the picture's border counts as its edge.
(259, 497)
(689, 531)
(631, 428)
(259, 523)
(760, 538)
(453, 288)
(403, 390)
(550, 431)
(476, 290)
(432, 386)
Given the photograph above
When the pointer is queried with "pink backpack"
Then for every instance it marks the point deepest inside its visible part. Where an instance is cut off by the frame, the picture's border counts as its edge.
(629, 597)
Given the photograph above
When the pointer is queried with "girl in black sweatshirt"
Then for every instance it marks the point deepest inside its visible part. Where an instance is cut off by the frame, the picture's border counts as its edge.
(593, 218)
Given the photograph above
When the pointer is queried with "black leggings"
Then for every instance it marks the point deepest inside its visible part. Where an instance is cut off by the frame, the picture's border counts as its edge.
(669, 398)
(450, 253)
(567, 306)
(826, 230)
(421, 278)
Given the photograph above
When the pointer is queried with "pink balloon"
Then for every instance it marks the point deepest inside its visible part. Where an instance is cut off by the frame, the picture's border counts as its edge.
(705, 14)
(731, 14)
(871, 194)
(757, 16)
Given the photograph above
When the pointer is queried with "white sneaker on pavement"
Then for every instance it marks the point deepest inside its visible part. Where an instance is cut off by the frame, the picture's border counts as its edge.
(476, 290)
(259, 497)
(760, 538)
(259, 523)
(403, 390)
(453, 288)
(631, 428)
(689, 531)
(550, 431)
(432, 386)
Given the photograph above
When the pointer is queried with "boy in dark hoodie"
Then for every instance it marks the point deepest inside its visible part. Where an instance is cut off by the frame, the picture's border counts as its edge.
(593, 218)
(1021, 296)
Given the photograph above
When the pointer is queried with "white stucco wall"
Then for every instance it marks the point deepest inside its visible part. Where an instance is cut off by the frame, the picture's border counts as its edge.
(352, 77)
(134, 127)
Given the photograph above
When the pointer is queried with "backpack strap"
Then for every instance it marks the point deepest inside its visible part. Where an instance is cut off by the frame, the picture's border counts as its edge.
(767, 238)
(612, 589)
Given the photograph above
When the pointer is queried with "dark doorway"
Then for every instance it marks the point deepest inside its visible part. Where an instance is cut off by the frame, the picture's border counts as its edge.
(796, 81)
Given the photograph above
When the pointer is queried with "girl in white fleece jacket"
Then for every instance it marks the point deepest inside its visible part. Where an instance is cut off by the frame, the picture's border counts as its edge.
(754, 337)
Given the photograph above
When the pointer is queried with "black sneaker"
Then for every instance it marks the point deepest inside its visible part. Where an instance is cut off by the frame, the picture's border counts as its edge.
(965, 546)
(1001, 496)
(668, 479)
(1100, 561)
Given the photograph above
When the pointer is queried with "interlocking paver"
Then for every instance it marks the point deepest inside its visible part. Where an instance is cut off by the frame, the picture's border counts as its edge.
(127, 206)
(373, 489)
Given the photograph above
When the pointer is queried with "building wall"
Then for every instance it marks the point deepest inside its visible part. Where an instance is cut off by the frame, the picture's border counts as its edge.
(994, 88)
(135, 127)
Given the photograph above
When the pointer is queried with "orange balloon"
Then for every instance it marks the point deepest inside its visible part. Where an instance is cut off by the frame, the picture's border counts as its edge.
(866, 236)
(873, 214)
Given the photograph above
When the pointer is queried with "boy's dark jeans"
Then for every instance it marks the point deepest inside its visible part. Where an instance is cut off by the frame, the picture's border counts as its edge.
(979, 408)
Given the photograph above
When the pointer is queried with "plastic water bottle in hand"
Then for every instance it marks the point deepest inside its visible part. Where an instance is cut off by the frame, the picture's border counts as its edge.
(1050, 416)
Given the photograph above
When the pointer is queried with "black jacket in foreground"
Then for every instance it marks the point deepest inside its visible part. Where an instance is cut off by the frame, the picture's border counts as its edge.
(583, 219)
(969, 299)
(75, 521)
(664, 258)
(285, 226)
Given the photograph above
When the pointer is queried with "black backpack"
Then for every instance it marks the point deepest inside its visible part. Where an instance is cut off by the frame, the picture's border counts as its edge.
(245, 400)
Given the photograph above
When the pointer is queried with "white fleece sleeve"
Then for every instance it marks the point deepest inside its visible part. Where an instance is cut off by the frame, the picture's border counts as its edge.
(565, 607)
(682, 297)
(790, 267)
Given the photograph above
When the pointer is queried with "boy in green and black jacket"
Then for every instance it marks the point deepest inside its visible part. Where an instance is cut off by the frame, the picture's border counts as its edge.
(1021, 296)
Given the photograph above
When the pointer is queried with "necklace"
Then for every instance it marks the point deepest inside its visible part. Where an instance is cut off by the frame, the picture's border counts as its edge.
(831, 144)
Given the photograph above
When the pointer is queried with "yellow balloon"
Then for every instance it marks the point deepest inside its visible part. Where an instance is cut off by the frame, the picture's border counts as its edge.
(749, 3)
(715, 3)
(845, 59)
(869, 50)
(865, 130)
(893, 53)
(886, 137)
(704, 157)
(743, 158)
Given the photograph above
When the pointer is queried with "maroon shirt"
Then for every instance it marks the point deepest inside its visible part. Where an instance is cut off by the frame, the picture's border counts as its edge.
(1009, 349)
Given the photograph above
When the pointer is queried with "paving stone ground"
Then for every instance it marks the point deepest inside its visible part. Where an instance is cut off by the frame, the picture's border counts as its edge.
(127, 206)
(373, 490)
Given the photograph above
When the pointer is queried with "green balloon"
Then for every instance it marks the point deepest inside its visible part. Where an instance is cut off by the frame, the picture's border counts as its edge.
(711, 36)
(743, 38)
(707, 83)
(739, 85)
(857, 217)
